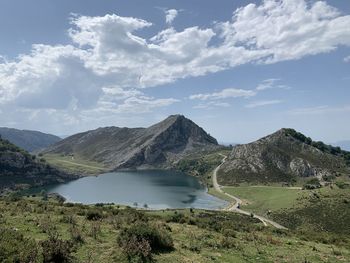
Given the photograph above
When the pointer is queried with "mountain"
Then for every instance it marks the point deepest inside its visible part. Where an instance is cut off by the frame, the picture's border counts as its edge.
(158, 146)
(28, 140)
(283, 157)
(18, 167)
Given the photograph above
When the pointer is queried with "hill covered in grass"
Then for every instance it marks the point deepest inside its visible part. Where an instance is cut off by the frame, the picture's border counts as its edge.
(285, 156)
(28, 140)
(18, 168)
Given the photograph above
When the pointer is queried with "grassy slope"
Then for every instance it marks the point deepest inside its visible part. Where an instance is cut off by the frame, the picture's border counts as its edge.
(198, 237)
(260, 199)
(323, 214)
(323, 211)
(75, 164)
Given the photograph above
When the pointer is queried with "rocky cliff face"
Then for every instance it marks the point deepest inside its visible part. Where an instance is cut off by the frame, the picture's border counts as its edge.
(279, 157)
(28, 140)
(158, 146)
(18, 167)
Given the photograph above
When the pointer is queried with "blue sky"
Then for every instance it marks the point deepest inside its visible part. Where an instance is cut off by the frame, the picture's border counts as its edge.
(240, 69)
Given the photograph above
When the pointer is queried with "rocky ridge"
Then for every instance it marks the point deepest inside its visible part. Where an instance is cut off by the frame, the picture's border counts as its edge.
(281, 157)
(158, 146)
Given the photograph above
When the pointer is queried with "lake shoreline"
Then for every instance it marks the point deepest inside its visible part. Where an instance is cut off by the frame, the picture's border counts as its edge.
(156, 189)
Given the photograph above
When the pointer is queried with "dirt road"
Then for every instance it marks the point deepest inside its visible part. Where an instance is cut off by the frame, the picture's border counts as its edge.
(237, 203)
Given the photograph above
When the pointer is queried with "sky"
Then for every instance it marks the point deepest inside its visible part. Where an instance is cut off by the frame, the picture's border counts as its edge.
(239, 69)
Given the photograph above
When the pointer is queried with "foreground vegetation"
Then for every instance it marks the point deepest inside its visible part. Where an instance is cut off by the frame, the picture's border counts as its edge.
(35, 230)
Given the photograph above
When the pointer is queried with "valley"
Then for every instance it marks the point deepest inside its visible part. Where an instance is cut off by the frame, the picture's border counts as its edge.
(74, 164)
(175, 131)
(210, 203)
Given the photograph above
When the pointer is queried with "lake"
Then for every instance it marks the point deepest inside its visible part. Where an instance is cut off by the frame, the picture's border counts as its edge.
(158, 189)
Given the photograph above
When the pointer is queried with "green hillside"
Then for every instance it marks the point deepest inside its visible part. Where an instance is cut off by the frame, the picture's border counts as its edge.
(20, 169)
(108, 233)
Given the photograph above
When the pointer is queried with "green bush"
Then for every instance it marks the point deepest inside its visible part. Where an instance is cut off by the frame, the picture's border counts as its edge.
(16, 248)
(56, 250)
(312, 183)
(76, 235)
(329, 178)
(93, 215)
(228, 242)
(343, 185)
(141, 240)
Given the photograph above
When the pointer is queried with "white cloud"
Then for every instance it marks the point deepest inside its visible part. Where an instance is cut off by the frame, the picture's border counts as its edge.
(347, 59)
(266, 84)
(110, 53)
(170, 15)
(108, 62)
(271, 84)
(48, 77)
(224, 94)
(118, 93)
(287, 29)
(211, 104)
(261, 103)
(319, 110)
(143, 104)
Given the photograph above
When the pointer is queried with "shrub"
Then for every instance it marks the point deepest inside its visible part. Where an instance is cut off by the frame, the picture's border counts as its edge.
(140, 240)
(93, 215)
(229, 233)
(69, 219)
(177, 218)
(76, 235)
(343, 185)
(227, 242)
(137, 250)
(16, 248)
(312, 183)
(328, 178)
(56, 250)
(95, 229)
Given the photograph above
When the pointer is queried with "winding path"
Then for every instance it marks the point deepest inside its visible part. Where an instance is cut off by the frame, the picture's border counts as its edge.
(235, 206)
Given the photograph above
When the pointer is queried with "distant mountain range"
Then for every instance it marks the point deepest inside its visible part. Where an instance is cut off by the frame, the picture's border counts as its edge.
(158, 146)
(18, 168)
(282, 157)
(177, 142)
(28, 140)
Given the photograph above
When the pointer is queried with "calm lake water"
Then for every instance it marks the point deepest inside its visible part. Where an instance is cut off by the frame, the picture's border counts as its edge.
(157, 189)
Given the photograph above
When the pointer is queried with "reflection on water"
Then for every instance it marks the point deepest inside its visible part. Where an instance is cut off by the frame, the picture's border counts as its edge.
(157, 189)
(191, 199)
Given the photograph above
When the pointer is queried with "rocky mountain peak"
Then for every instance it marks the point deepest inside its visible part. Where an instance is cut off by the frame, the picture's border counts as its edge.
(159, 145)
